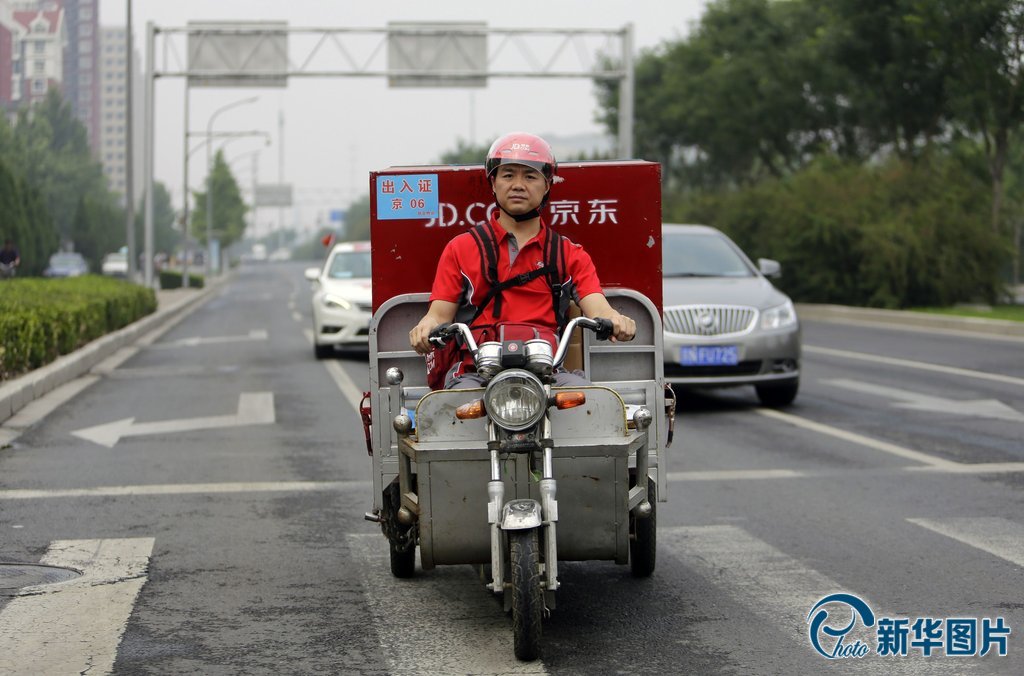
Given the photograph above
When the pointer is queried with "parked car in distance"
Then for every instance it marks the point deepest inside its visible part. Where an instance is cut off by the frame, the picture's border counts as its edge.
(115, 264)
(725, 323)
(66, 264)
(341, 299)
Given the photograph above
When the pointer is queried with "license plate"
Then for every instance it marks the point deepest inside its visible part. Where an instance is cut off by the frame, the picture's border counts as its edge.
(709, 355)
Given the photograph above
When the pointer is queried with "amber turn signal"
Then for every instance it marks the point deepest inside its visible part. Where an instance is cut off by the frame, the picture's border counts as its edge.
(564, 400)
(470, 411)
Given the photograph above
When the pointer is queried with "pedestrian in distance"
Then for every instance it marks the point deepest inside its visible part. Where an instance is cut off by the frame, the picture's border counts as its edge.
(9, 259)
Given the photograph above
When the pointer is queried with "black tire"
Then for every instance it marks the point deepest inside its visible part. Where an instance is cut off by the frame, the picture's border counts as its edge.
(323, 351)
(527, 595)
(643, 548)
(403, 564)
(777, 396)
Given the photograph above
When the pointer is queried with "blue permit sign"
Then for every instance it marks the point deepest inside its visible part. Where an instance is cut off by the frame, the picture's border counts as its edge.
(407, 196)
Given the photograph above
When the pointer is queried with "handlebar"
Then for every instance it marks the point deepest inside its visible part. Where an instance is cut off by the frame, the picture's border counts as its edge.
(601, 327)
(441, 333)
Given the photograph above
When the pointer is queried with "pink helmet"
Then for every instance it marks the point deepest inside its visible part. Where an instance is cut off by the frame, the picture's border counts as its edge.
(521, 148)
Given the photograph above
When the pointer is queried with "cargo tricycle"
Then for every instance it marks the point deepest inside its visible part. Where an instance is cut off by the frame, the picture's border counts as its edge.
(518, 475)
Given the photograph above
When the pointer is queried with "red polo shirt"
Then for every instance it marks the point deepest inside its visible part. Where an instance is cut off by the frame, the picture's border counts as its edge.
(461, 277)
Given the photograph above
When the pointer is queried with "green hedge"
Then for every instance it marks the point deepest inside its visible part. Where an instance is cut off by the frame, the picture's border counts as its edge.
(41, 319)
(170, 279)
(897, 234)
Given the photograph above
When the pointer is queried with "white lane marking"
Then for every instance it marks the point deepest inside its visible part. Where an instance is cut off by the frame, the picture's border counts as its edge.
(852, 437)
(735, 474)
(972, 468)
(442, 622)
(907, 363)
(183, 489)
(296, 316)
(254, 408)
(992, 534)
(347, 386)
(255, 334)
(74, 627)
(979, 408)
(778, 588)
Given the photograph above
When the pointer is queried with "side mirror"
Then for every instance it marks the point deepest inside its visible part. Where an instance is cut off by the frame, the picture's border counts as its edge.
(769, 267)
(312, 274)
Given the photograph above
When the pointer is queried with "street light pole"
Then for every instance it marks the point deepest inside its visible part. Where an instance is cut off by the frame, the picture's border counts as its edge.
(209, 178)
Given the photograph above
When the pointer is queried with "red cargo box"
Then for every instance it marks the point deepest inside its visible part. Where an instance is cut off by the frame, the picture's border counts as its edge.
(612, 208)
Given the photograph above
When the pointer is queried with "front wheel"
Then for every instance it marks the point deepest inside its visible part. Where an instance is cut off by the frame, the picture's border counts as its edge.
(527, 595)
(775, 396)
(322, 351)
(644, 545)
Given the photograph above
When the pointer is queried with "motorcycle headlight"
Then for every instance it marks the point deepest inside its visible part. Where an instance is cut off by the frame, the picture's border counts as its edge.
(515, 400)
(779, 317)
(336, 302)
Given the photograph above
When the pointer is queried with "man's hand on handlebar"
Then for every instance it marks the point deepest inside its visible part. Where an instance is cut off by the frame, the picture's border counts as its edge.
(623, 328)
(440, 312)
(419, 337)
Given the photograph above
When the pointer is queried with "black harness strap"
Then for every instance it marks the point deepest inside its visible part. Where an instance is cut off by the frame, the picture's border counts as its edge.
(483, 235)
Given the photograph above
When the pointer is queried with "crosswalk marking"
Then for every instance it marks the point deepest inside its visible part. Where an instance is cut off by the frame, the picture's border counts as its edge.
(75, 626)
(777, 587)
(441, 623)
(991, 534)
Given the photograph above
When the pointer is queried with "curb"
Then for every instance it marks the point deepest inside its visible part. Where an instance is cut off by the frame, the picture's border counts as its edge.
(17, 393)
(917, 320)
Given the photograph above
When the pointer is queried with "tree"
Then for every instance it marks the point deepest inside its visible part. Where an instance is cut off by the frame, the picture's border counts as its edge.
(465, 153)
(166, 237)
(357, 220)
(51, 149)
(227, 205)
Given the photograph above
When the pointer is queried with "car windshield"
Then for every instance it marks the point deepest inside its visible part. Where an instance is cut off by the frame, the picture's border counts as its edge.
(687, 254)
(350, 265)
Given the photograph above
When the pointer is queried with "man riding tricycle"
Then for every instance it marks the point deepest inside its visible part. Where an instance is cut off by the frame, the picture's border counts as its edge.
(517, 413)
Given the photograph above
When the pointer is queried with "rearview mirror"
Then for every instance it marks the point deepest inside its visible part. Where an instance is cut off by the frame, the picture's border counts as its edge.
(312, 274)
(769, 267)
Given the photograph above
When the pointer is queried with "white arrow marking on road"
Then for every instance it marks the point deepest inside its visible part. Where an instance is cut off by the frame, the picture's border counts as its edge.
(255, 334)
(74, 627)
(981, 408)
(254, 408)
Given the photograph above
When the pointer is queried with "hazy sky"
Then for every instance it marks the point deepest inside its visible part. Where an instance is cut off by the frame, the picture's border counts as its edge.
(336, 130)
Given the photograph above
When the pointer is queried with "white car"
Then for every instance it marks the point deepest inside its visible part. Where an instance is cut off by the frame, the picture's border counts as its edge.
(341, 299)
(115, 264)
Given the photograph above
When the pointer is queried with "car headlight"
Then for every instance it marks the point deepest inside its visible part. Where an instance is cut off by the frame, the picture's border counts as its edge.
(336, 302)
(779, 317)
(515, 400)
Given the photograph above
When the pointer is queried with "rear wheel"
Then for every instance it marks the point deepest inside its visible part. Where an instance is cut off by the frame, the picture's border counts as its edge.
(401, 542)
(644, 545)
(527, 595)
(777, 395)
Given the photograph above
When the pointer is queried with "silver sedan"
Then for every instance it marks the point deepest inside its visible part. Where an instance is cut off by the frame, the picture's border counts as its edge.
(725, 323)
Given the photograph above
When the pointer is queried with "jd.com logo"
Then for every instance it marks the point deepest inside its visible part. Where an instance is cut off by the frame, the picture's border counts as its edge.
(840, 624)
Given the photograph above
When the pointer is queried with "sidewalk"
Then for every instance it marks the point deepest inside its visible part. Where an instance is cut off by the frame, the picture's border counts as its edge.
(172, 304)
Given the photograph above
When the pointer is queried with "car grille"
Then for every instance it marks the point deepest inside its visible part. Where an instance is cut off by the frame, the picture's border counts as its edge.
(365, 307)
(709, 320)
(744, 368)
